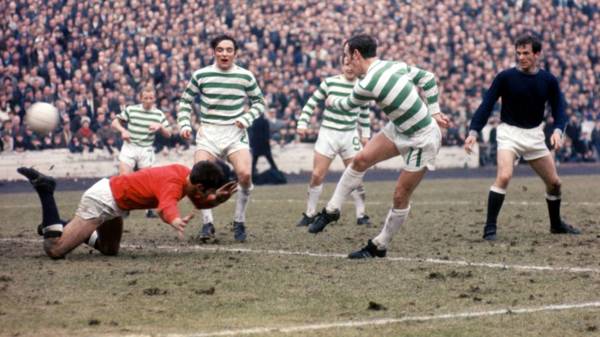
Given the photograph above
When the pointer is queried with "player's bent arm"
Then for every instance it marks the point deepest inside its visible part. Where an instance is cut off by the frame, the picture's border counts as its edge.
(427, 82)
(165, 129)
(257, 108)
(117, 124)
(483, 112)
(184, 109)
(257, 103)
(359, 97)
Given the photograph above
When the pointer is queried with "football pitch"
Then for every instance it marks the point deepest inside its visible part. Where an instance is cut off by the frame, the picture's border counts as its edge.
(440, 277)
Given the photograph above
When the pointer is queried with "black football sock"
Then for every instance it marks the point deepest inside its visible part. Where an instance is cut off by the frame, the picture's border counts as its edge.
(553, 202)
(52, 225)
(495, 200)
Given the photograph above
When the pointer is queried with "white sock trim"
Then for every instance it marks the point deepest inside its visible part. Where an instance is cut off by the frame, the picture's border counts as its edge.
(401, 211)
(92, 241)
(497, 189)
(355, 173)
(551, 197)
(53, 228)
(318, 188)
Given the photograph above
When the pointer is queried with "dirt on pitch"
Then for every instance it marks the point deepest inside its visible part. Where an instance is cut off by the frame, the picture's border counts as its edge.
(158, 285)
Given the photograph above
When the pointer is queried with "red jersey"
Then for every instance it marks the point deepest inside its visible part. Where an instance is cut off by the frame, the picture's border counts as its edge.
(157, 187)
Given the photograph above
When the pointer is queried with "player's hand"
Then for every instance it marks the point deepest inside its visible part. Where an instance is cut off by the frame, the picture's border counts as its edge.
(179, 225)
(186, 133)
(329, 101)
(154, 127)
(126, 136)
(556, 141)
(469, 142)
(220, 196)
(442, 120)
(239, 125)
(226, 191)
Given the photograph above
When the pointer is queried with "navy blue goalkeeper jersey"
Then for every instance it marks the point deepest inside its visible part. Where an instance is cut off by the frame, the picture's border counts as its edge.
(524, 98)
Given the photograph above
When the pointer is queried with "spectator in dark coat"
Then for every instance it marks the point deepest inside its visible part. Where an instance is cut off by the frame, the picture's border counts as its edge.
(260, 143)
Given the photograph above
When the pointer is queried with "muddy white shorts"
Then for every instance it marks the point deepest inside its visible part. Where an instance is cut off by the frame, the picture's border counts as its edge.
(330, 143)
(221, 140)
(98, 202)
(132, 154)
(420, 149)
(527, 143)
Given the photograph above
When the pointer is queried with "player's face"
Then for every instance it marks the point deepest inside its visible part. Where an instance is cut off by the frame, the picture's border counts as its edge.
(147, 99)
(349, 73)
(526, 58)
(351, 60)
(225, 54)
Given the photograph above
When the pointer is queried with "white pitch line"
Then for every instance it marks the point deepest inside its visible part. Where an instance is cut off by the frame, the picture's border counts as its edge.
(383, 321)
(461, 263)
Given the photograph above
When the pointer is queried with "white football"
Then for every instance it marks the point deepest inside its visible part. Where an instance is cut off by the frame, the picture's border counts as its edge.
(42, 117)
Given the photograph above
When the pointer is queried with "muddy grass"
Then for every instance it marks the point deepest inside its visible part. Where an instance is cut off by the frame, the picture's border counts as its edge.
(158, 285)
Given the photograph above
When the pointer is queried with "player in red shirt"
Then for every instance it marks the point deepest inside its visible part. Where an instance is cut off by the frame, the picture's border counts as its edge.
(98, 220)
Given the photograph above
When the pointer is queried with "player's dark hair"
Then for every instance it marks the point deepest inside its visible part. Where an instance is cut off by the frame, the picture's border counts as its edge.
(211, 175)
(223, 37)
(365, 44)
(525, 39)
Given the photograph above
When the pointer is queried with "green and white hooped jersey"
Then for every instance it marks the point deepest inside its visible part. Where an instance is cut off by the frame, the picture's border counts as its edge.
(333, 118)
(222, 97)
(138, 122)
(392, 86)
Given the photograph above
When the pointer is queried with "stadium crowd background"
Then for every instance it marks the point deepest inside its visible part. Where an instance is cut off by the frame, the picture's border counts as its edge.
(90, 58)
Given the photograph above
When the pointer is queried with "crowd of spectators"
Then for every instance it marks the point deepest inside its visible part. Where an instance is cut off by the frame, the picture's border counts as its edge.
(89, 58)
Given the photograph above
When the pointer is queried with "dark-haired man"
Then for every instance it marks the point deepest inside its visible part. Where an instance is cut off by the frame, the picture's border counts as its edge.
(222, 89)
(98, 220)
(525, 90)
(412, 131)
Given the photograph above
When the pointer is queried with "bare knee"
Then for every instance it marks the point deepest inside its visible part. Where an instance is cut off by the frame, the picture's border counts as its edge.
(401, 198)
(503, 179)
(244, 178)
(359, 163)
(53, 251)
(316, 178)
(553, 186)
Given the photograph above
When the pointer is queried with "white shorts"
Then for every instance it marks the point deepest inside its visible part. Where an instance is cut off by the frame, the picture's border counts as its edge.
(420, 149)
(132, 154)
(527, 143)
(221, 140)
(98, 203)
(332, 142)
